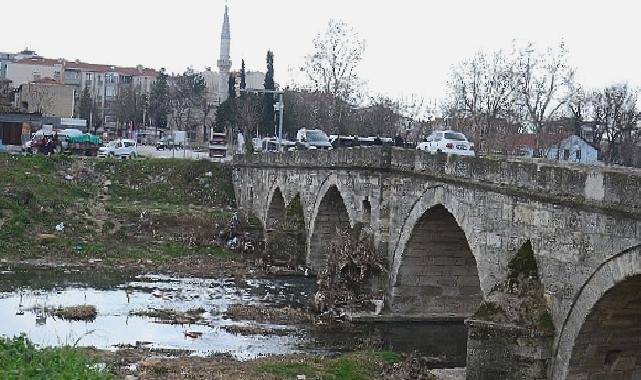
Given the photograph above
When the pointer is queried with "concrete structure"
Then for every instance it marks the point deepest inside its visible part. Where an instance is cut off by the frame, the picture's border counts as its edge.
(573, 149)
(449, 226)
(47, 97)
(31, 69)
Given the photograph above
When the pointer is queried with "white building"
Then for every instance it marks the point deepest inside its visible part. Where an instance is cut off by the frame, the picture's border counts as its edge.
(27, 70)
(573, 149)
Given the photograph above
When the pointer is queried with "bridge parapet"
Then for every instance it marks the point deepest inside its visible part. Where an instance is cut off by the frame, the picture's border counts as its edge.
(616, 189)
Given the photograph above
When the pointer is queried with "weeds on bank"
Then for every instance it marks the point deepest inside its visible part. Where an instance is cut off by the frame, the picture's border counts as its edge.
(354, 366)
(19, 359)
(35, 197)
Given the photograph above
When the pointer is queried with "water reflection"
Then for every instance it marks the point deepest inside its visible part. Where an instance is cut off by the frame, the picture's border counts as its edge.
(26, 291)
(21, 310)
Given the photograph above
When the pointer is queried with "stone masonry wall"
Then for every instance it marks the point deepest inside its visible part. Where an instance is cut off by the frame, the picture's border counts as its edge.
(576, 217)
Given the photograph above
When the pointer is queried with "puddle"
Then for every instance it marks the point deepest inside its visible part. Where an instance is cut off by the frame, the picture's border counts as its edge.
(25, 291)
(116, 300)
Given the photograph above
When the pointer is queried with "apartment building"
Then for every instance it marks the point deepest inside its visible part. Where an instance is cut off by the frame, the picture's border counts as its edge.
(27, 70)
(105, 82)
(47, 97)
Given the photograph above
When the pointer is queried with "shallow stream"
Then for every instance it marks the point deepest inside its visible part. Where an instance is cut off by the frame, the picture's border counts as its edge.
(26, 291)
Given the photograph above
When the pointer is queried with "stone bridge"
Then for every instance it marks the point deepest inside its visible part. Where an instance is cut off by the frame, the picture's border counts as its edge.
(449, 227)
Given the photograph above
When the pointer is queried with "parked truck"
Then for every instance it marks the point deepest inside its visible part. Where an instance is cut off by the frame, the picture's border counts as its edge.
(172, 140)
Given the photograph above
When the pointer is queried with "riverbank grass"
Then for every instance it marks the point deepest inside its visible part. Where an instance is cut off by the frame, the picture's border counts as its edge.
(20, 359)
(352, 366)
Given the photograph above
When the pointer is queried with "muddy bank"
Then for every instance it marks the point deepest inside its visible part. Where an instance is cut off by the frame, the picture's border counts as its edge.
(364, 365)
(370, 364)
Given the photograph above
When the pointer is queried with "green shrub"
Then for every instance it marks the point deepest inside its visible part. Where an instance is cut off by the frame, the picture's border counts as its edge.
(19, 359)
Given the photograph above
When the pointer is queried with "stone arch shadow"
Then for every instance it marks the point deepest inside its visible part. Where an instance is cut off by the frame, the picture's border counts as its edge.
(331, 210)
(434, 267)
(601, 334)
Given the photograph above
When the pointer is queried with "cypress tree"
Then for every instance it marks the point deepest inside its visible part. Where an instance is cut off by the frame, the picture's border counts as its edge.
(268, 99)
(232, 86)
(243, 78)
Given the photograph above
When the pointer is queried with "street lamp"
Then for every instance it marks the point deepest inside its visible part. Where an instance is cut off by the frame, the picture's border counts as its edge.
(280, 106)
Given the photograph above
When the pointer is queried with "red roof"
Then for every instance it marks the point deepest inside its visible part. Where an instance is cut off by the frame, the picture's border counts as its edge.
(528, 140)
(88, 67)
(137, 71)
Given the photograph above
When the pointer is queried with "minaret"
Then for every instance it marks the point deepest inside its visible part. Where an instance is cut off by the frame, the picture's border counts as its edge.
(224, 63)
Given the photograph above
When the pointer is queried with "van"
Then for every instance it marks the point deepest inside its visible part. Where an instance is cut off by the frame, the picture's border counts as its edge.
(311, 139)
(121, 148)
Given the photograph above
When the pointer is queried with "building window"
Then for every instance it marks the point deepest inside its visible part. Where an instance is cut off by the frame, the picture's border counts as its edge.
(566, 154)
(577, 155)
(88, 76)
(110, 92)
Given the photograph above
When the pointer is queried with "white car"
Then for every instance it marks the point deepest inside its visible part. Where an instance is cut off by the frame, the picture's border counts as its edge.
(450, 142)
(121, 148)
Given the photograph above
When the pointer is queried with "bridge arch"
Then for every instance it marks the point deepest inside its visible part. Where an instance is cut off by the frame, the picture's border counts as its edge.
(275, 208)
(331, 211)
(434, 266)
(601, 334)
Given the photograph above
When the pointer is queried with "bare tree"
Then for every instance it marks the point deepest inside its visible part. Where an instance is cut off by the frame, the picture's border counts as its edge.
(186, 92)
(41, 98)
(544, 81)
(580, 107)
(6, 95)
(482, 93)
(381, 118)
(617, 118)
(332, 68)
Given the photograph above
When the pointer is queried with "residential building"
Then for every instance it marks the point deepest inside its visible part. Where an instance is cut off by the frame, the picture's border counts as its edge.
(5, 58)
(573, 149)
(47, 97)
(27, 70)
(104, 83)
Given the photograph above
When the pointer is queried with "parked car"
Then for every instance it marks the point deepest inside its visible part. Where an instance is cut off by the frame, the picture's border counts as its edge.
(311, 139)
(121, 148)
(450, 142)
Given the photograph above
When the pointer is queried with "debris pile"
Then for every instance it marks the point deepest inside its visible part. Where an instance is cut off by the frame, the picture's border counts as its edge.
(268, 314)
(352, 265)
(75, 313)
(173, 317)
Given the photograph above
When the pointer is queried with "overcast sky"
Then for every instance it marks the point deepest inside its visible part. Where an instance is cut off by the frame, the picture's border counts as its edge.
(411, 44)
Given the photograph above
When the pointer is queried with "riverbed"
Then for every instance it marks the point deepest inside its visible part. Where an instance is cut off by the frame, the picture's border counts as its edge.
(126, 303)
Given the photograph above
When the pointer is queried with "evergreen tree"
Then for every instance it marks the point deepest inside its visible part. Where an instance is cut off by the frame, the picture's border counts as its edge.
(159, 101)
(86, 105)
(232, 86)
(243, 77)
(268, 99)
(269, 76)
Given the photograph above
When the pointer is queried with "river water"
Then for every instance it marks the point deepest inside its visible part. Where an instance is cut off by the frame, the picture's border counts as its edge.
(25, 291)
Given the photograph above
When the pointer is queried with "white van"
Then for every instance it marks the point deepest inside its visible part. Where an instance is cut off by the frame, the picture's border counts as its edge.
(121, 148)
(311, 139)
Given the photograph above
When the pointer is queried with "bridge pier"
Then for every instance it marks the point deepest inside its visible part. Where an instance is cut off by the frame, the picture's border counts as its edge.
(506, 351)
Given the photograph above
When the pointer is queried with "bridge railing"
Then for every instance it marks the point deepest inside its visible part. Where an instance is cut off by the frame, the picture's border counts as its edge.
(618, 188)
